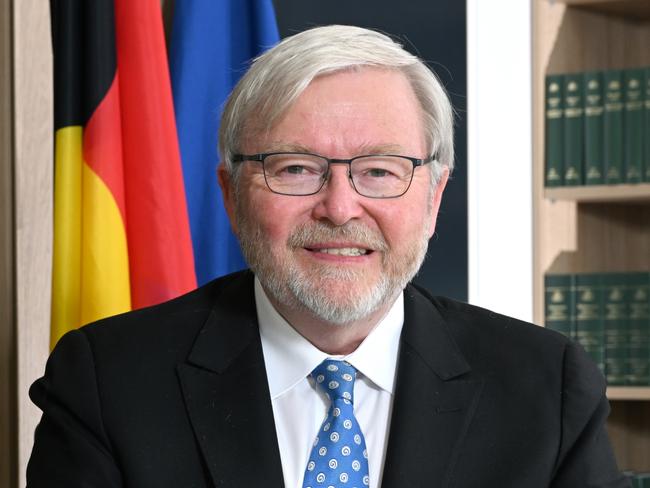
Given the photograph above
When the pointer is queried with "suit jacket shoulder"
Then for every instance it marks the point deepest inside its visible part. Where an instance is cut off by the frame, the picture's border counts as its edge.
(167, 323)
(163, 396)
(513, 404)
(490, 341)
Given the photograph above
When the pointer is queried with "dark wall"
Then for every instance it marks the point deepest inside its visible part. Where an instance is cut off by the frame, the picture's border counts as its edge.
(435, 31)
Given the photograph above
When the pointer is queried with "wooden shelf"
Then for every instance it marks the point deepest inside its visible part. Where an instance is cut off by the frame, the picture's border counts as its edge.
(634, 9)
(600, 193)
(640, 393)
(584, 40)
(592, 229)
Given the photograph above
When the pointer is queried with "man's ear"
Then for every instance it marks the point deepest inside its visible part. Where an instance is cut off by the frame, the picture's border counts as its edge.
(437, 198)
(228, 194)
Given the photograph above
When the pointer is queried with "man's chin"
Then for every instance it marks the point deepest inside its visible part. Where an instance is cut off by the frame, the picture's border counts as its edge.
(340, 300)
(338, 285)
(323, 275)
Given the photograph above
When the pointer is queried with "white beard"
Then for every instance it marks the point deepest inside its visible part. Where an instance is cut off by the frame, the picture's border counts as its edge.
(331, 293)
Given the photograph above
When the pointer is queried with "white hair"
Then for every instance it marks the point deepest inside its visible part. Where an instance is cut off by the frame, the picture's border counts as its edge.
(277, 78)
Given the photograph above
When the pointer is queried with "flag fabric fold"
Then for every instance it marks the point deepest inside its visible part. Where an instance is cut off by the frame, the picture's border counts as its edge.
(212, 44)
(121, 232)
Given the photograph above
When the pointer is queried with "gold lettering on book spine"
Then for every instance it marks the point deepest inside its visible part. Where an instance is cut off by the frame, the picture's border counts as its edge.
(557, 309)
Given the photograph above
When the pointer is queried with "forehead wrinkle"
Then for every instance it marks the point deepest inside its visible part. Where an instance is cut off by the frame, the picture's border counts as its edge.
(279, 146)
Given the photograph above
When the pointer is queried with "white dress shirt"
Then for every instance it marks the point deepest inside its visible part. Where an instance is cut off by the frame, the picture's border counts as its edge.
(299, 406)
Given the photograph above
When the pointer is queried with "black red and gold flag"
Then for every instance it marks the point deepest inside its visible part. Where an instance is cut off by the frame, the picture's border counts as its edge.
(121, 232)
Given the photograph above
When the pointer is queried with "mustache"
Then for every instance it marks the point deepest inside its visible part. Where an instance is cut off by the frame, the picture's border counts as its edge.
(315, 232)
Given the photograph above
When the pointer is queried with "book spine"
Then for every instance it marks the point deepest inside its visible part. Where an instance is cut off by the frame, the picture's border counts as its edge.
(633, 124)
(554, 170)
(638, 480)
(593, 110)
(613, 126)
(616, 338)
(644, 480)
(638, 311)
(573, 129)
(590, 328)
(646, 124)
(558, 296)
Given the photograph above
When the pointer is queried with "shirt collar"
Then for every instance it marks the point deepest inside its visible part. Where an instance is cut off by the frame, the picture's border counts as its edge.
(289, 357)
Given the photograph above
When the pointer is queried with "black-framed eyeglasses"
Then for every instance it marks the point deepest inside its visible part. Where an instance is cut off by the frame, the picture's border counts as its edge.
(301, 174)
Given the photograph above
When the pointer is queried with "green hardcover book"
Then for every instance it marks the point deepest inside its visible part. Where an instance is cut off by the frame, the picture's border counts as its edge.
(589, 325)
(613, 126)
(615, 319)
(637, 297)
(644, 480)
(554, 149)
(558, 300)
(573, 129)
(633, 124)
(594, 108)
(646, 125)
(641, 480)
(636, 481)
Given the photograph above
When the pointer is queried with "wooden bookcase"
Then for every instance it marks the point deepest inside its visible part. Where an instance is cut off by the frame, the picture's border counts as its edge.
(597, 228)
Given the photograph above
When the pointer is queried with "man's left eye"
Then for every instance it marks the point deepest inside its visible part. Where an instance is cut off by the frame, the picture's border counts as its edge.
(377, 172)
(295, 169)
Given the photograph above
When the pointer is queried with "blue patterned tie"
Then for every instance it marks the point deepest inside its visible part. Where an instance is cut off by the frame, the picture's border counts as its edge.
(339, 457)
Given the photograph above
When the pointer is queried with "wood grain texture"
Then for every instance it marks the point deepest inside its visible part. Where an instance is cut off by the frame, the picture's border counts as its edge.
(613, 237)
(590, 41)
(592, 229)
(33, 135)
(629, 430)
(636, 9)
(8, 412)
(554, 229)
(641, 393)
(601, 193)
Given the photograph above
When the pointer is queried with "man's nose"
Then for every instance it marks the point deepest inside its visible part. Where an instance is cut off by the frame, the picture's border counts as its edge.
(338, 201)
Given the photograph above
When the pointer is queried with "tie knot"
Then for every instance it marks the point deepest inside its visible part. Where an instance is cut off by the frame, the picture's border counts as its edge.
(336, 379)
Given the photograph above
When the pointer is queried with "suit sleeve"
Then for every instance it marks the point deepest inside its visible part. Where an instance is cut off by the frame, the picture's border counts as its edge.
(585, 458)
(71, 447)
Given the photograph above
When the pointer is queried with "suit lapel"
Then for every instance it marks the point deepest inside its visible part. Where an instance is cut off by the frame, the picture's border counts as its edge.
(226, 393)
(434, 402)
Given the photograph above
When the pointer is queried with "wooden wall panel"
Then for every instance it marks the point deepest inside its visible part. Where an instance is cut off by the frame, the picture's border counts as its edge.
(33, 170)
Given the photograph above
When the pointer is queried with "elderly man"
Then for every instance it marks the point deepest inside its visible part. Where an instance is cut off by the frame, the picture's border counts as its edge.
(323, 366)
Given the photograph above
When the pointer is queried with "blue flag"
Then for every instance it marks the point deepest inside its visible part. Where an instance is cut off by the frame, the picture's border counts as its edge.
(212, 44)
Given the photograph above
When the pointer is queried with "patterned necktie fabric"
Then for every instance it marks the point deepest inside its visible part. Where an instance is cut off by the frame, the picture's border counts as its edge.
(339, 457)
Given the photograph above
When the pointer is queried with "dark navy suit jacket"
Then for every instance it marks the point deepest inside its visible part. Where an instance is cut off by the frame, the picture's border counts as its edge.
(177, 396)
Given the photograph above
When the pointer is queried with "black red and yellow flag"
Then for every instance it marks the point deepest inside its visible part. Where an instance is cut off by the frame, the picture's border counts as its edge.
(121, 232)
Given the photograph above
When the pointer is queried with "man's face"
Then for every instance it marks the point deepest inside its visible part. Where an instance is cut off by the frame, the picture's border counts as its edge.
(338, 255)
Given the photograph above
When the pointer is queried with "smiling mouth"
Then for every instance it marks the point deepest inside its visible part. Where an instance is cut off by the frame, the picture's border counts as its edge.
(342, 251)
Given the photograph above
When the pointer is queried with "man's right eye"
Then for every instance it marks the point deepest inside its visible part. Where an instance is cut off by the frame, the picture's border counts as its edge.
(295, 169)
